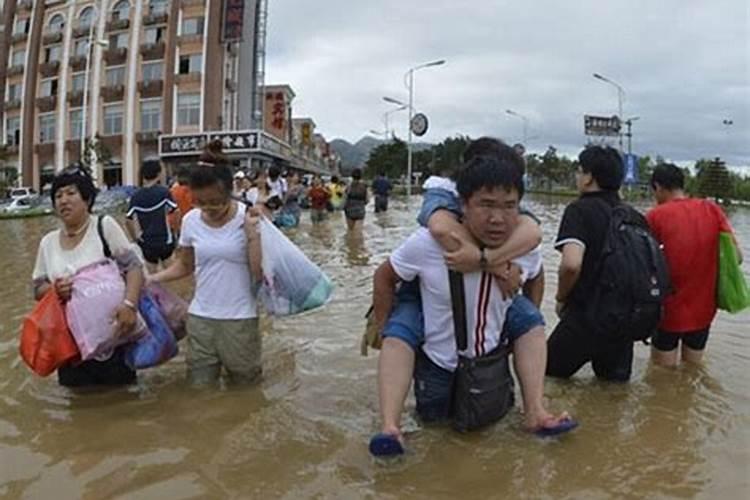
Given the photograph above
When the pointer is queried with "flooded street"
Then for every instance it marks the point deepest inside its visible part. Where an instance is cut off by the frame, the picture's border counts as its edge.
(303, 432)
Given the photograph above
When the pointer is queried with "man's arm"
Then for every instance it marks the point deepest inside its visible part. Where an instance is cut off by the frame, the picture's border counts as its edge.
(132, 227)
(570, 270)
(383, 292)
(533, 289)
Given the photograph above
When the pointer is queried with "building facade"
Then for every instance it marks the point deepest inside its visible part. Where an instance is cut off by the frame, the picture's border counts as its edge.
(121, 73)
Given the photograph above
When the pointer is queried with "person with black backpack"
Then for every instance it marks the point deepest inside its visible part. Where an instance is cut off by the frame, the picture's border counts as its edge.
(613, 277)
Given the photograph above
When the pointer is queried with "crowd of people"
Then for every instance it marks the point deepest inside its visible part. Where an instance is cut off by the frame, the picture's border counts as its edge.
(454, 302)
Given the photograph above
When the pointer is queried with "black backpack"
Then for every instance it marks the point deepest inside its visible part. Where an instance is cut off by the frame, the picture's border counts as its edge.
(632, 279)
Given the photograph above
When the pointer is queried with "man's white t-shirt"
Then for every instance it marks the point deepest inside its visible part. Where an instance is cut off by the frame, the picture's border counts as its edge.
(422, 256)
(53, 261)
(223, 288)
(278, 187)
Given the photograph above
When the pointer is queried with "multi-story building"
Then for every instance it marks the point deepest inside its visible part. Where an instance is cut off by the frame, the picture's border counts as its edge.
(125, 72)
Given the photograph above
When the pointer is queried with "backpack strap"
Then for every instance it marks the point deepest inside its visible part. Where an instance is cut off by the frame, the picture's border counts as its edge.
(458, 300)
(100, 230)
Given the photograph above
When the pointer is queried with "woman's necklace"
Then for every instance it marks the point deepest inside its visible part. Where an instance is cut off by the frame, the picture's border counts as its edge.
(76, 232)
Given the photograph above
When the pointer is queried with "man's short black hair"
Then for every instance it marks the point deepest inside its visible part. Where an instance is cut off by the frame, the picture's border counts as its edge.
(488, 172)
(489, 146)
(150, 169)
(357, 174)
(335, 179)
(668, 176)
(203, 176)
(604, 163)
(274, 172)
(79, 176)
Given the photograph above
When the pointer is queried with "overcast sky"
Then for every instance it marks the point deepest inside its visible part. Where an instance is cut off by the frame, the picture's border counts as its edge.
(684, 64)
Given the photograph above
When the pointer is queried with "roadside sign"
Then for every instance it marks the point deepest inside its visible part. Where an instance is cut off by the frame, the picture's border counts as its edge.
(419, 124)
(602, 125)
(630, 162)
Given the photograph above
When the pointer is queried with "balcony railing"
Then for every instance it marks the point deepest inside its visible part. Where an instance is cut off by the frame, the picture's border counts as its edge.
(116, 56)
(73, 146)
(19, 37)
(118, 25)
(81, 31)
(48, 103)
(52, 37)
(12, 104)
(193, 3)
(11, 149)
(111, 141)
(155, 17)
(24, 5)
(152, 51)
(78, 63)
(150, 136)
(185, 39)
(151, 88)
(75, 98)
(15, 70)
(45, 149)
(113, 93)
(189, 77)
(49, 69)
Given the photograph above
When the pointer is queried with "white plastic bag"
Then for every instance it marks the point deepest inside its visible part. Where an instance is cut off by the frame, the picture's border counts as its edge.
(292, 283)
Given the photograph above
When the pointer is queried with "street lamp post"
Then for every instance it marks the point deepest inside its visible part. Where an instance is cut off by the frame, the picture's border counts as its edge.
(620, 99)
(409, 80)
(629, 123)
(89, 48)
(389, 113)
(525, 124)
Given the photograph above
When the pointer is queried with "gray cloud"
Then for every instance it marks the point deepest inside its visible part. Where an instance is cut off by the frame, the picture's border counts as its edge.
(685, 65)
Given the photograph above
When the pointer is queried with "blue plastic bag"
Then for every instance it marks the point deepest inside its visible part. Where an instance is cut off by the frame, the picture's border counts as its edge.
(158, 345)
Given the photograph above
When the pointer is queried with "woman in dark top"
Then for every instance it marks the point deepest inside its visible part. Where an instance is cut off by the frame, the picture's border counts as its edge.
(356, 200)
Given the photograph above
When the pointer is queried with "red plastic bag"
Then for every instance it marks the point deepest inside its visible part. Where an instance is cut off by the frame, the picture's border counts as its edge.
(46, 342)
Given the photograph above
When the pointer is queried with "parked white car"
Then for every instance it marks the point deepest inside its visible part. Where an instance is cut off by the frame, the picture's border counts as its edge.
(21, 192)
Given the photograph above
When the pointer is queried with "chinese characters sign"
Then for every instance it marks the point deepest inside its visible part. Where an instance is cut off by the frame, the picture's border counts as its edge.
(601, 125)
(234, 11)
(184, 145)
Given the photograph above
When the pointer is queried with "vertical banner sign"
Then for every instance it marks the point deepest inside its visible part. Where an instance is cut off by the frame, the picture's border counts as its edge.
(234, 11)
(306, 134)
(631, 169)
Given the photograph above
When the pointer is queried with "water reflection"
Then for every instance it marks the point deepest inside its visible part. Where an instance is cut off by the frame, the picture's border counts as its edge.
(302, 432)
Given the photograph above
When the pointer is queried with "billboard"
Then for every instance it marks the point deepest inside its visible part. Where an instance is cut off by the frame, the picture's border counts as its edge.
(601, 125)
(234, 12)
(630, 164)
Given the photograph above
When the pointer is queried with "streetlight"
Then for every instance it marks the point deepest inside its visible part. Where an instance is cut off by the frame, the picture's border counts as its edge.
(629, 123)
(525, 124)
(409, 80)
(389, 113)
(620, 98)
(89, 47)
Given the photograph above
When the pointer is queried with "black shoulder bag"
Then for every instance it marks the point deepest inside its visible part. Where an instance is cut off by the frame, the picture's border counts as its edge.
(482, 387)
(100, 230)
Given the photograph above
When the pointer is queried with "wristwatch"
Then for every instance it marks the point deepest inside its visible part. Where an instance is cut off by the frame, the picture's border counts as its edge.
(482, 259)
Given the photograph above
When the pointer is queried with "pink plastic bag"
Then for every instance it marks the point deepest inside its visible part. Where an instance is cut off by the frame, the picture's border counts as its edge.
(172, 307)
(98, 290)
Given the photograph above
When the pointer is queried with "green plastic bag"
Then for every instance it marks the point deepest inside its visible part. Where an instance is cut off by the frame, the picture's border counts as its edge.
(732, 293)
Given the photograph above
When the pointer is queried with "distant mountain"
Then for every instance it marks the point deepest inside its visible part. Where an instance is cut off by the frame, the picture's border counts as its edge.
(356, 155)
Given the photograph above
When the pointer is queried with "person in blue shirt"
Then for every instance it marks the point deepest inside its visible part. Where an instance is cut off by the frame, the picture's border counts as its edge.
(382, 188)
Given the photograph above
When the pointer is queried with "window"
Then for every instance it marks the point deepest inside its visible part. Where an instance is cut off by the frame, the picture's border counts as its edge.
(152, 71)
(14, 91)
(121, 11)
(52, 54)
(188, 109)
(158, 6)
(13, 131)
(192, 26)
(21, 26)
(86, 17)
(190, 63)
(56, 23)
(151, 116)
(49, 87)
(115, 76)
(155, 35)
(19, 58)
(78, 82)
(47, 128)
(76, 124)
(81, 48)
(113, 120)
(118, 41)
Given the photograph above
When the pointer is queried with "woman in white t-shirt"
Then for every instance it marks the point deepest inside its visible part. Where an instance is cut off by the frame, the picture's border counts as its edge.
(220, 245)
(75, 245)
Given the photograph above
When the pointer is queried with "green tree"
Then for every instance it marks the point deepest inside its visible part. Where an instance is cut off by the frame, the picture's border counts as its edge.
(714, 180)
(389, 158)
(95, 153)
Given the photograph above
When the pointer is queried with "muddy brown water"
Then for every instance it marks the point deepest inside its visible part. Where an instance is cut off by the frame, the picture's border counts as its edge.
(303, 432)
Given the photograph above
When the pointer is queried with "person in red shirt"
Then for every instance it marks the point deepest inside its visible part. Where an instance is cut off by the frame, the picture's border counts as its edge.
(688, 230)
(319, 197)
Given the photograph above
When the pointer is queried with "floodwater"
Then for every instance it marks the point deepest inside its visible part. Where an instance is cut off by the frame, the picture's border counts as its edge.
(303, 432)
